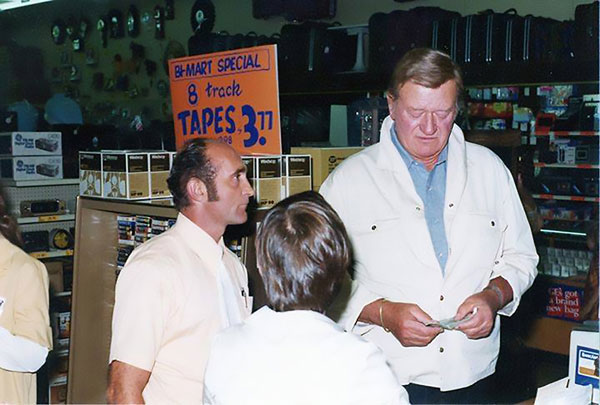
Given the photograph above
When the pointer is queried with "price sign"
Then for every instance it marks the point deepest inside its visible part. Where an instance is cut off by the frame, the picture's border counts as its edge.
(229, 96)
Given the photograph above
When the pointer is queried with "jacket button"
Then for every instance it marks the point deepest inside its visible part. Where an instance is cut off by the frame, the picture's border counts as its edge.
(493, 223)
(441, 350)
(496, 262)
(441, 298)
(451, 205)
(373, 227)
(418, 208)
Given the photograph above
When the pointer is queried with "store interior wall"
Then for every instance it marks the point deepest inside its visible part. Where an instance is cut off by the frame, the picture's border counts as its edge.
(30, 71)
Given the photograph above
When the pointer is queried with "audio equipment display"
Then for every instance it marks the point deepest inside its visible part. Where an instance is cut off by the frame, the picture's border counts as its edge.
(42, 207)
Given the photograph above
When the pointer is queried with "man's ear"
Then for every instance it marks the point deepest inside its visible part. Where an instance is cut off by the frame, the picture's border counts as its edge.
(196, 190)
(390, 102)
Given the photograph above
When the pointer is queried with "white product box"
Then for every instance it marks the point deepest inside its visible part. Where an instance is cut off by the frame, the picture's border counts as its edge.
(583, 357)
(296, 174)
(125, 175)
(90, 173)
(30, 143)
(31, 167)
(268, 181)
(160, 166)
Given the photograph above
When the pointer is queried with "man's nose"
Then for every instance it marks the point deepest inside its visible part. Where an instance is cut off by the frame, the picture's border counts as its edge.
(428, 125)
(248, 190)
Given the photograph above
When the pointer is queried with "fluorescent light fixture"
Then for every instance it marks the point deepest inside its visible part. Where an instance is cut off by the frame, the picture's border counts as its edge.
(10, 4)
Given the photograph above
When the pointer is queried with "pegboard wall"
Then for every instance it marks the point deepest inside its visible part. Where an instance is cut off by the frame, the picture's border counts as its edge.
(65, 192)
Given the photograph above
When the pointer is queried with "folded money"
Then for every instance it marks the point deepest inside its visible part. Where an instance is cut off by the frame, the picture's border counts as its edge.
(451, 323)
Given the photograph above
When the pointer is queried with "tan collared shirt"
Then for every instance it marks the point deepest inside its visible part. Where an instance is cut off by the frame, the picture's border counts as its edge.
(24, 313)
(169, 305)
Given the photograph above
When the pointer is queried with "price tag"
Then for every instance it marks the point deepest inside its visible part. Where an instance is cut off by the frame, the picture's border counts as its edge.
(40, 255)
(229, 96)
(48, 218)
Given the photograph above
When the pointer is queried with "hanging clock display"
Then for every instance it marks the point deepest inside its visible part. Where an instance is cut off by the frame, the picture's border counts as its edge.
(159, 22)
(133, 22)
(115, 23)
(58, 32)
(202, 17)
(102, 27)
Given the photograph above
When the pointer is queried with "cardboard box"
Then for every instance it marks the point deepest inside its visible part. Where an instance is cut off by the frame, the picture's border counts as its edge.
(90, 173)
(30, 143)
(160, 166)
(57, 390)
(32, 167)
(250, 163)
(125, 175)
(584, 357)
(295, 174)
(268, 181)
(324, 160)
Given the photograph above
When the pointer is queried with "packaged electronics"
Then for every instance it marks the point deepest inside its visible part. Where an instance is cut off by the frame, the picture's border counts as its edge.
(42, 207)
(90, 174)
(125, 175)
(31, 167)
(324, 160)
(296, 174)
(30, 143)
(160, 166)
(583, 357)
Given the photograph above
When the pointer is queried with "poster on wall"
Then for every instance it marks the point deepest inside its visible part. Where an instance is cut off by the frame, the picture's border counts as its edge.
(230, 96)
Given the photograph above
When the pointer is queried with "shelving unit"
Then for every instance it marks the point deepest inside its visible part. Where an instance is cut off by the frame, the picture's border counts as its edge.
(568, 205)
(52, 378)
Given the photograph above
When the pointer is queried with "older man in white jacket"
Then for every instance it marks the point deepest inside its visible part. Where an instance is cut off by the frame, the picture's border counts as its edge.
(439, 232)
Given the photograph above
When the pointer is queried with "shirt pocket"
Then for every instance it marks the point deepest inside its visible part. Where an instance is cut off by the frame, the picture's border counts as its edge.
(477, 239)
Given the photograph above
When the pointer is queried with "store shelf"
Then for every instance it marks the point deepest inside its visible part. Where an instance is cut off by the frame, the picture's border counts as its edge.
(38, 183)
(565, 197)
(566, 166)
(562, 232)
(566, 133)
(52, 254)
(46, 218)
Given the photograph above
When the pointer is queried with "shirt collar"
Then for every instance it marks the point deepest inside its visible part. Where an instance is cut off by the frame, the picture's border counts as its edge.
(408, 159)
(199, 241)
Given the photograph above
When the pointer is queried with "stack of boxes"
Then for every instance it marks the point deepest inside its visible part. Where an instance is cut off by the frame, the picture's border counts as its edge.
(275, 177)
(31, 155)
(129, 175)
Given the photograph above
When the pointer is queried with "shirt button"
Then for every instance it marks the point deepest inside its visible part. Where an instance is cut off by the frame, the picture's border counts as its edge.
(441, 298)
(373, 227)
(441, 350)
(418, 208)
(451, 205)
(496, 262)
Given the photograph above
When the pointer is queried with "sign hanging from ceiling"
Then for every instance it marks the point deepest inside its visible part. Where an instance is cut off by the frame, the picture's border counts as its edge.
(230, 96)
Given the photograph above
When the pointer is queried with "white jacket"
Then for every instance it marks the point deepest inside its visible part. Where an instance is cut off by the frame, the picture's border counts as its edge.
(488, 236)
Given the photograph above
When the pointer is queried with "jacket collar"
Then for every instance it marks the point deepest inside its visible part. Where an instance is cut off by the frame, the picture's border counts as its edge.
(389, 159)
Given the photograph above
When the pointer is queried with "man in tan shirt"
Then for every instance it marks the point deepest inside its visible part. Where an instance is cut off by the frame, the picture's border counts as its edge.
(179, 289)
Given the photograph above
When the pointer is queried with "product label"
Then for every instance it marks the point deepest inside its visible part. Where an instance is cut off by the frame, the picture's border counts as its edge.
(138, 163)
(586, 371)
(113, 162)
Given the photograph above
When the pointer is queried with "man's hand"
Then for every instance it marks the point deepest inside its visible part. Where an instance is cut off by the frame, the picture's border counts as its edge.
(481, 324)
(488, 302)
(404, 321)
(126, 383)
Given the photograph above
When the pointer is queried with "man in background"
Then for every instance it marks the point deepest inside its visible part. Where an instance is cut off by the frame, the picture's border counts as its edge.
(179, 289)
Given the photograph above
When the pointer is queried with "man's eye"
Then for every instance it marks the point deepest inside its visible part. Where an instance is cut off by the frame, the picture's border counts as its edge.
(416, 113)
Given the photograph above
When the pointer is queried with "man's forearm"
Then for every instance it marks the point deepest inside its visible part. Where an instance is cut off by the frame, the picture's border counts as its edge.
(371, 313)
(502, 290)
(126, 383)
